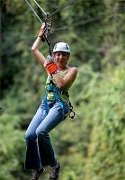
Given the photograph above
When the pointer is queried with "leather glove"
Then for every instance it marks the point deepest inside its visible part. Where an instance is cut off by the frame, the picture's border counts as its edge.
(51, 66)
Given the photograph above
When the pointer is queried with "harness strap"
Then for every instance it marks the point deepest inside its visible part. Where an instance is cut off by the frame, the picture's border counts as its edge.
(57, 92)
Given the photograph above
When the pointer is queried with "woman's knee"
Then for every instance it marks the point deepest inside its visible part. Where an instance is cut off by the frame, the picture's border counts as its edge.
(30, 136)
(41, 133)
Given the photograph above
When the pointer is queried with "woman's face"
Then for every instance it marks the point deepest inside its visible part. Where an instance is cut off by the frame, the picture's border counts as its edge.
(61, 58)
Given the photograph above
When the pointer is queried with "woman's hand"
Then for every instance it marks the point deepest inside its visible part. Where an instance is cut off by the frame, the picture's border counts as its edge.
(42, 30)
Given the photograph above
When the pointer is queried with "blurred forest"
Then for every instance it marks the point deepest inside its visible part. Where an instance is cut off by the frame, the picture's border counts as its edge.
(92, 146)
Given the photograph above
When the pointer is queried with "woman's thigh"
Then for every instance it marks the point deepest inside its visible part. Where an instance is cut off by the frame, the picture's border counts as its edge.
(54, 117)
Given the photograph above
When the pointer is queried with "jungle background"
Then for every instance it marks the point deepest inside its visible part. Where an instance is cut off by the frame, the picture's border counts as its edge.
(92, 146)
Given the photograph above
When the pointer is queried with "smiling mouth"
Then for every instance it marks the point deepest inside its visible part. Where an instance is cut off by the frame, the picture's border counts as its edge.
(61, 61)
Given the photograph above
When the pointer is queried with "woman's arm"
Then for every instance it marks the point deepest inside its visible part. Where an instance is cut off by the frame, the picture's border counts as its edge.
(35, 48)
(67, 80)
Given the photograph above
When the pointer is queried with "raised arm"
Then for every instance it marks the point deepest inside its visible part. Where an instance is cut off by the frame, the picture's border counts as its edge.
(35, 47)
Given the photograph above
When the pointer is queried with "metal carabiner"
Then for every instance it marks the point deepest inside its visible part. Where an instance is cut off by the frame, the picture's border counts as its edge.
(72, 113)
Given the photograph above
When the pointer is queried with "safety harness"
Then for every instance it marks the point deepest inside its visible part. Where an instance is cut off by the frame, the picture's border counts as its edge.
(57, 98)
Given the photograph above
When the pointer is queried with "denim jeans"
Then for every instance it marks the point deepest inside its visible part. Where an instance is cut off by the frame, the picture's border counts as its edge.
(39, 150)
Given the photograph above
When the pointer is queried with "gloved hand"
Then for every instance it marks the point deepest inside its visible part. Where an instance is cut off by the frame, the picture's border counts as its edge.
(51, 66)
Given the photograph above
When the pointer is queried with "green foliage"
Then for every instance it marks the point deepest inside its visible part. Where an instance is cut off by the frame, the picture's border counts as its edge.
(11, 142)
(105, 152)
(91, 147)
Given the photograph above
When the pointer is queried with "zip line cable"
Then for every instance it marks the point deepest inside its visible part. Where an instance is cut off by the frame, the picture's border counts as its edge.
(74, 24)
(79, 23)
(88, 21)
(40, 8)
(61, 8)
(47, 20)
(34, 11)
(46, 14)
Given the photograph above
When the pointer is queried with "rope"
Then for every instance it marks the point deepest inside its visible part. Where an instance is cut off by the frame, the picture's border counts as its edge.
(88, 21)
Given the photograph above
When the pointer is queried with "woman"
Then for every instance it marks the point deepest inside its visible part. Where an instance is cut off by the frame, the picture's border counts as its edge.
(53, 109)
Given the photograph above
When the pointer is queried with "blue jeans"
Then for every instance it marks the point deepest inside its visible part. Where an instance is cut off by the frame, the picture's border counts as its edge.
(39, 150)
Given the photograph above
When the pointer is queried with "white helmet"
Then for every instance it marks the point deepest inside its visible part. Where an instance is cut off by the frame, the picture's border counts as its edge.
(61, 46)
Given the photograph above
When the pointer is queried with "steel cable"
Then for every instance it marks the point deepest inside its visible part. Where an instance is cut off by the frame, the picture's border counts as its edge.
(40, 8)
(87, 21)
(34, 11)
(60, 8)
